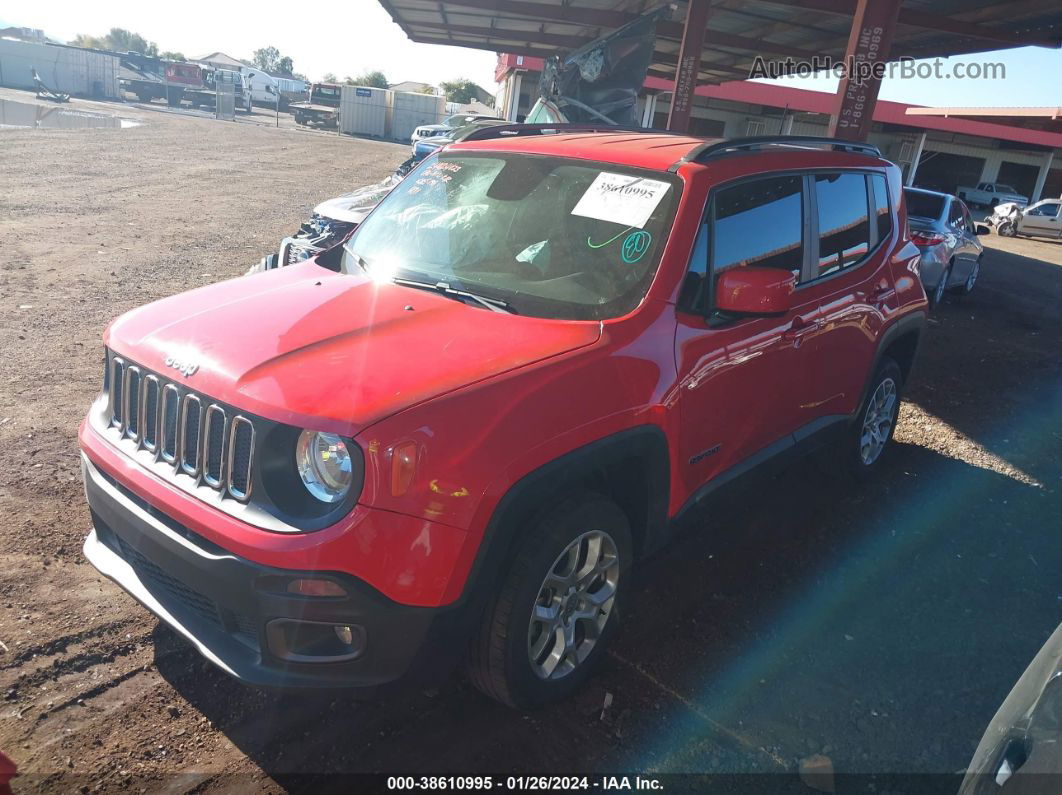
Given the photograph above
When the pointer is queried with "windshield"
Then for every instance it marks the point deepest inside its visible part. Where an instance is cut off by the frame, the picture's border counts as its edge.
(552, 237)
(924, 205)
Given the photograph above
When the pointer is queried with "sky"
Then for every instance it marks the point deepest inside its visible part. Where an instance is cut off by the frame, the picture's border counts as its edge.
(344, 38)
(1030, 81)
(350, 37)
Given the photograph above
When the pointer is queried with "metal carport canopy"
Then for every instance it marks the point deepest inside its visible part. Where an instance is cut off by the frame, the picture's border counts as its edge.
(737, 31)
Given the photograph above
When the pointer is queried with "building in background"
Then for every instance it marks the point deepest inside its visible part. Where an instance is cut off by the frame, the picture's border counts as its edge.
(70, 70)
(939, 152)
(413, 87)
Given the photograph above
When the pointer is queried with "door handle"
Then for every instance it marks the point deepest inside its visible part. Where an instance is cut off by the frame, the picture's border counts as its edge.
(799, 328)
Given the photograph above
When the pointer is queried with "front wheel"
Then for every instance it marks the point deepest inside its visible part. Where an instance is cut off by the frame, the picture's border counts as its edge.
(1008, 229)
(870, 434)
(558, 606)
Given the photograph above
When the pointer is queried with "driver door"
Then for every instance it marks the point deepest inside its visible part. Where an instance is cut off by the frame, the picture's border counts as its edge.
(741, 379)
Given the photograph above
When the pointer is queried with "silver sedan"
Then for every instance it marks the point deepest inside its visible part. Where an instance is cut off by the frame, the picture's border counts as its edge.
(944, 232)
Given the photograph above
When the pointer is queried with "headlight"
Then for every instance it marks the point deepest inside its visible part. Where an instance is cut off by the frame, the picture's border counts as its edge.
(324, 465)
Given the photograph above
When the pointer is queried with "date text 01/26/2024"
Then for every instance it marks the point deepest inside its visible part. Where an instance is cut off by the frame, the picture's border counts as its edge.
(523, 783)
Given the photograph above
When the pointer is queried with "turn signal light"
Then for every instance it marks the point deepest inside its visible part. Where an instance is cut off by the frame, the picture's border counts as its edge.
(315, 587)
(403, 467)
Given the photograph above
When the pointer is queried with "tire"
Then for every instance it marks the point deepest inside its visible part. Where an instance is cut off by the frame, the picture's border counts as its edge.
(993, 203)
(500, 655)
(1008, 229)
(942, 287)
(887, 380)
(967, 286)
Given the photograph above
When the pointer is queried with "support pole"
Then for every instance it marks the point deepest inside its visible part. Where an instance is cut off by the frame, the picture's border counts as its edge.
(515, 84)
(1041, 178)
(916, 159)
(650, 110)
(869, 42)
(688, 67)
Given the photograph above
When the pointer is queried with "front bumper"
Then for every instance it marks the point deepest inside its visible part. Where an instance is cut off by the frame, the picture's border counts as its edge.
(232, 609)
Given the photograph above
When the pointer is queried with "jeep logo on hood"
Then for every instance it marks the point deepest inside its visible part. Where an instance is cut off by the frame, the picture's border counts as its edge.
(184, 368)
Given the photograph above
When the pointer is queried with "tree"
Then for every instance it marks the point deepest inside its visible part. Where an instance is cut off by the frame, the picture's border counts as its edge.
(373, 79)
(285, 65)
(330, 77)
(267, 59)
(118, 39)
(169, 55)
(462, 91)
(427, 90)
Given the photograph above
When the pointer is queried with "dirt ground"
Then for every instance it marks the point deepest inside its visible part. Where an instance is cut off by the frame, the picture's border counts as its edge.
(879, 625)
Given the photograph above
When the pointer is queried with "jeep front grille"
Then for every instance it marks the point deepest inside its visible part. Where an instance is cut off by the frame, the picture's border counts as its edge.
(194, 435)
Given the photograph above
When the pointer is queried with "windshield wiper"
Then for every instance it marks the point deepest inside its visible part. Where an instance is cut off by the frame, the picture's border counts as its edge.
(493, 304)
(358, 259)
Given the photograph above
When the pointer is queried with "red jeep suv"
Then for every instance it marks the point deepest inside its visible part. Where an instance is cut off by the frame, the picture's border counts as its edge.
(451, 437)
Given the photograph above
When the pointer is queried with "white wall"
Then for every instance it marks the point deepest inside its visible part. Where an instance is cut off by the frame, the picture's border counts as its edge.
(64, 69)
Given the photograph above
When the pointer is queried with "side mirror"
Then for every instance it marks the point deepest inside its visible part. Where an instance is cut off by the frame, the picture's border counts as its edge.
(755, 291)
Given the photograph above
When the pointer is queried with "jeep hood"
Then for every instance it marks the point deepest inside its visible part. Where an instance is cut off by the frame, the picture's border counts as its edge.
(310, 347)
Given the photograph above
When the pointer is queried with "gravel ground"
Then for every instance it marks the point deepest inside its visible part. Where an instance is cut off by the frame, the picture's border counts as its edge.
(879, 625)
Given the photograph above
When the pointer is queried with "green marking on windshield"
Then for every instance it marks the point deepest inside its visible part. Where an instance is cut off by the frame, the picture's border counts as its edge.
(610, 240)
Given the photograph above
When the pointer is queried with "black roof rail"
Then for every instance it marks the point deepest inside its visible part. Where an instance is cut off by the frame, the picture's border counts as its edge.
(706, 151)
(507, 130)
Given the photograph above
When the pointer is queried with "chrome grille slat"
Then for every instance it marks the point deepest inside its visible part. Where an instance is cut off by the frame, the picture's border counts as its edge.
(131, 402)
(149, 412)
(117, 382)
(241, 454)
(169, 411)
(191, 433)
(214, 446)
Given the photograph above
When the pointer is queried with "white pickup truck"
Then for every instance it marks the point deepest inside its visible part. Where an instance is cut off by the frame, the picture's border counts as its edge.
(990, 194)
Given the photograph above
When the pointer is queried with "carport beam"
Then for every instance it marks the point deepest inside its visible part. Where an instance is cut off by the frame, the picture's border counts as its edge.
(913, 170)
(688, 68)
(869, 42)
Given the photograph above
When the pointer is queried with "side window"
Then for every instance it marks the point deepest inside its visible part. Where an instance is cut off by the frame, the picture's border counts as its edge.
(881, 206)
(844, 227)
(759, 224)
(955, 215)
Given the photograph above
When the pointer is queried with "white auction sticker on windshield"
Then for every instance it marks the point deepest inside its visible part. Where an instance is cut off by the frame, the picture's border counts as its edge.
(621, 199)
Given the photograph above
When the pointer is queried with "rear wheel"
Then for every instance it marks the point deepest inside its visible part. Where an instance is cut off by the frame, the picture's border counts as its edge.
(967, 286)
(942, 287)
(869, 436)
(558, 607)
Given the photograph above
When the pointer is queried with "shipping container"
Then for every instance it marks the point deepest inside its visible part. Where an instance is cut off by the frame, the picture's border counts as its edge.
(408, 111)
(69, 70)
(363, 111)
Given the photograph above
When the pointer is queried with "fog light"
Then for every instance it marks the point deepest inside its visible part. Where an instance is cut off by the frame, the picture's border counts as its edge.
(314, 641)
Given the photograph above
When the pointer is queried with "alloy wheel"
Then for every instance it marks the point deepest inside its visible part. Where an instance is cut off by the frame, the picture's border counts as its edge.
(878, 421)
(574, 603)
(942, 286)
